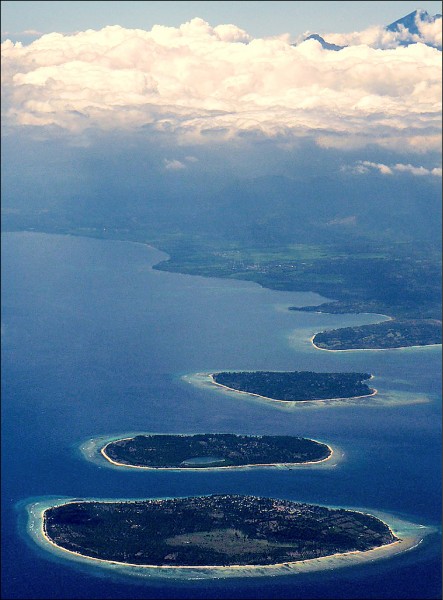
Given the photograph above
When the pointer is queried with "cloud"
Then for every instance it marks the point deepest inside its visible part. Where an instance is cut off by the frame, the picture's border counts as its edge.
(31, 32)
(419, 171)
(173, 165)
(431, 32)
(374, 37)
(198, 82)
(26, 32)
(178, 165)
(383, 169)
(365, 166)
(351, 220)
(428, 32)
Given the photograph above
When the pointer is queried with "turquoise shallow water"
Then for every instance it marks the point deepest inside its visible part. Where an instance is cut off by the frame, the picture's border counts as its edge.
(96, 343)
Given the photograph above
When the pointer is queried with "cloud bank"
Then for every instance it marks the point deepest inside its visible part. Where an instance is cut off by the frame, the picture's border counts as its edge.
(199, 82)
(366, 166)
(426, 32)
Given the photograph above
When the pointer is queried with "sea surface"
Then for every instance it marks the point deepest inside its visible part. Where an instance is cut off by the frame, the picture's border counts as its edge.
(97, 343)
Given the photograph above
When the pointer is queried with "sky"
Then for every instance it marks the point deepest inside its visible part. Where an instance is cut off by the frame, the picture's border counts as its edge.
(263, 18)
(193, 89)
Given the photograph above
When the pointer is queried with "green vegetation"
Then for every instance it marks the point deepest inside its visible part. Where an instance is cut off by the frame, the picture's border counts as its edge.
(390, 334)
(399, 279)
(396, 279)
(296, 386)
(211, 530)
(213, 450)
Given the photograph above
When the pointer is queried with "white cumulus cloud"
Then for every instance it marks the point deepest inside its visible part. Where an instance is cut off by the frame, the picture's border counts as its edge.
(429, 32)
(196, 80)
(173, 165)
(365, 166)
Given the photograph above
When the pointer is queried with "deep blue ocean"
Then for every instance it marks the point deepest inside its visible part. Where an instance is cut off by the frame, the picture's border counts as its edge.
(96, 343)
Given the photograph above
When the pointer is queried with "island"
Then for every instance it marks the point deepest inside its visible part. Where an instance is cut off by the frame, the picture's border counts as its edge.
(389, 334)
(296, 386)
(216, 530)
(213, 450)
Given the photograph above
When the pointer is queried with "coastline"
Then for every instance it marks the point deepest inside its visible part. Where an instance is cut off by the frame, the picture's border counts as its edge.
(95, 446)
(299, 465)
(410, 536)
(382, 398)
(370, 349)
(290, 402)
(215, 276)
(325, 312)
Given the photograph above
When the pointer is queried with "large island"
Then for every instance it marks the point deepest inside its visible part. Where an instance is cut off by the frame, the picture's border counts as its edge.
(217, 530)
(212, 450)
(296, 386)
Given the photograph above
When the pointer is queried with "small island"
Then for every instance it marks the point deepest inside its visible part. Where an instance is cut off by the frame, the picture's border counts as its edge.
(296, 386)
(210, 531)
(213, 450)
(381, 336)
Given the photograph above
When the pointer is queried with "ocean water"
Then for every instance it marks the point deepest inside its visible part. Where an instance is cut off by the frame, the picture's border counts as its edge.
(96, 343)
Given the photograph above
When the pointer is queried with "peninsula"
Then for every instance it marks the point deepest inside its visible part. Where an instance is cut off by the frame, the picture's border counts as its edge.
(376, 275)
(210, 531)
(296, 386)
(213, 450)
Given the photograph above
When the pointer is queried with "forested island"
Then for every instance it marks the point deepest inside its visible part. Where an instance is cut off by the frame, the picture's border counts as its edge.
(217, 530)
(390, 334)
(296, 386)
(211, 450)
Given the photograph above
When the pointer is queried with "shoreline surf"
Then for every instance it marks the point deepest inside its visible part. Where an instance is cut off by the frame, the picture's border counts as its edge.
(212, 380)
(410, 536)
(95, 449)
(369, 349)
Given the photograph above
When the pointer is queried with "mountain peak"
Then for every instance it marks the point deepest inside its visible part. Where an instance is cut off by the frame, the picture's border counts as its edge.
(409, 28)
(326, 45)
(410, 21)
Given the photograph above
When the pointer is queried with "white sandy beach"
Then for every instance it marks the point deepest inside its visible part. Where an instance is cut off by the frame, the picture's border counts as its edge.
(332, 454)
(387, 397)
(212, 380)
(370, 349)
(410, 536)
